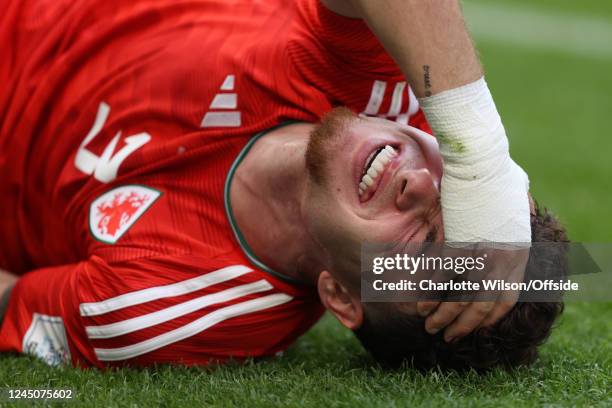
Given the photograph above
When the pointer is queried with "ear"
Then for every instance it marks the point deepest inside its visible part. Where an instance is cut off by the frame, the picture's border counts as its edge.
(337, 299)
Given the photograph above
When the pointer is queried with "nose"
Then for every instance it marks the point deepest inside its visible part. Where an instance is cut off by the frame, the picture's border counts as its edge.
(416, 190)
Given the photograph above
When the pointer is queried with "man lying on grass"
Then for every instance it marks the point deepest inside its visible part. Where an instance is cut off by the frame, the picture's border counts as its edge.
(293, 201)
(148, 225)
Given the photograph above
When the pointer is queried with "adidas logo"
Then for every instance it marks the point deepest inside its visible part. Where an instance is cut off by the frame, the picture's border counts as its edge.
(222, 111)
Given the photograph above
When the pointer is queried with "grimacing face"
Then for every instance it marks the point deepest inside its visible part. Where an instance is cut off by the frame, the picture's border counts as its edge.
(400, 204)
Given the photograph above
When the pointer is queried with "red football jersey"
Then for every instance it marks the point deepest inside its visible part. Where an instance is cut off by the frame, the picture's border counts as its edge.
(119, 122)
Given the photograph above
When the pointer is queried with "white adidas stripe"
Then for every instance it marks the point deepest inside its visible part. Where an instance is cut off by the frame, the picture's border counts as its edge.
(397, 99)
(229, 83)
(191, 329)
(160, 292)
(376, 98)
(413, 108)
(225, 101)
(222, 119)
(142, 322)
(413, 103)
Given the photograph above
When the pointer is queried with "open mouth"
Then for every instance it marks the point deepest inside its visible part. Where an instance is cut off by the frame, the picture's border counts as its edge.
(373, 169)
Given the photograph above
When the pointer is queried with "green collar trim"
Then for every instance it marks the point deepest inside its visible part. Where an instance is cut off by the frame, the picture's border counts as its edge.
(230, 215)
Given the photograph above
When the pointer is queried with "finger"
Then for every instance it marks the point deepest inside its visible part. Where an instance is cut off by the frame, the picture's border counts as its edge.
(477, 312)
(432, 299)
(429, 301)
(508, 298)
(486, 308)
(444, 315)
(499, 311)
(424, 308)
(468, 320)
(473, 316)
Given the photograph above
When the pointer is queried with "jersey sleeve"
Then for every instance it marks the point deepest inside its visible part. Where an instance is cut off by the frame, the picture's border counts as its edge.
(342, 60)
(155, 310)
(348, 40)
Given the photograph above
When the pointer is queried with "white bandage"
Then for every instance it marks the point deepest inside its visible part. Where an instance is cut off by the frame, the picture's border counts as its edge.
(484, 192)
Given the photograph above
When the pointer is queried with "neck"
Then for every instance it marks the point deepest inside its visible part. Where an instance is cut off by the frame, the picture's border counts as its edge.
(267, 195)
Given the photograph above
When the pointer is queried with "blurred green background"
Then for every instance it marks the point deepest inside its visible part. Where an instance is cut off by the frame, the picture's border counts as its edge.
(555, 97)
(549, 65)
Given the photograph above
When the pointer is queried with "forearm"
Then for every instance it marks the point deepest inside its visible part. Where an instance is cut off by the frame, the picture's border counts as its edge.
(7, 281)
(484, 193)
(427, 38)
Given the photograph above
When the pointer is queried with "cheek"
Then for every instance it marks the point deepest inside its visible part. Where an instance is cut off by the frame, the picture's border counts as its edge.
(340, 188)
(336, 231)
(414, 157)
(394, 226)
(385, 234)
(322, 219)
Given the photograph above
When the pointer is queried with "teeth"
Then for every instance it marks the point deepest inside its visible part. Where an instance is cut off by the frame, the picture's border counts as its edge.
(378, 166)
(382, 159)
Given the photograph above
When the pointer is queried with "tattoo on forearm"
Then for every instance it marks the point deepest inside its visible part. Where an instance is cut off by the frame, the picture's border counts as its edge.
(427, 80)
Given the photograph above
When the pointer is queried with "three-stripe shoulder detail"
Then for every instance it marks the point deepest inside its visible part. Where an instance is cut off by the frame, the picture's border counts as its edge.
(191, 329)
(160, 292)
(166, 314)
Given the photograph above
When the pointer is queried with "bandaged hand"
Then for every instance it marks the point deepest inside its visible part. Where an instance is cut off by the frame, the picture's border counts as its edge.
(484, 192)
(484, 198)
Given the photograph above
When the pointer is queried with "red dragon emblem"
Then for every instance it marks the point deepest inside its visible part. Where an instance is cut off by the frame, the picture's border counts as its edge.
(117, 212)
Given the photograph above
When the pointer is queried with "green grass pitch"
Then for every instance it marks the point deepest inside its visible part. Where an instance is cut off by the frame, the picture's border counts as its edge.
(557, 109)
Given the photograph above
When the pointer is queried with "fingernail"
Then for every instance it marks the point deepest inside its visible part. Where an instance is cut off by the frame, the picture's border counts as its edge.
(449, 340)
(433, 330)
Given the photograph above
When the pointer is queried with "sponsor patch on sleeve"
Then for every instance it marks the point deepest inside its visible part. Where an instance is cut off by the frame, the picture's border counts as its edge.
(112, 214)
